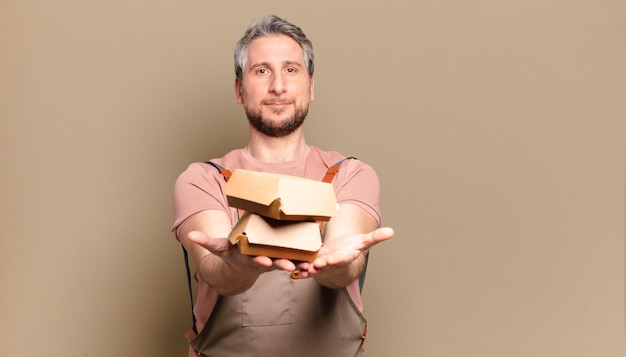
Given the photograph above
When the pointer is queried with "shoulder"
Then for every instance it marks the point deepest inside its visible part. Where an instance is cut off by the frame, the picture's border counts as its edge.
(351, 170)
(329, 158)
(355, 169)
(202, 173)
(347, 163)
(232, 159)
(197, 170)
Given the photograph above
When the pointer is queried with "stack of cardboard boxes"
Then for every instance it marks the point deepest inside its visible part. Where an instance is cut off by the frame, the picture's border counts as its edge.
(282, 214)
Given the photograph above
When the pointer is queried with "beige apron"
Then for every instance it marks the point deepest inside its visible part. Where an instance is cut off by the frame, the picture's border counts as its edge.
(286, 317)
(283, 317)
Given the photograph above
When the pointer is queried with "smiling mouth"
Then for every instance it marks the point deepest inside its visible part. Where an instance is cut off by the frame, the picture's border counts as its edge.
(277, 102)
(278, 107)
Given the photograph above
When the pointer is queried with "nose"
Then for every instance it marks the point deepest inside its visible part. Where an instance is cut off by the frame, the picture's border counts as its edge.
(277, 84)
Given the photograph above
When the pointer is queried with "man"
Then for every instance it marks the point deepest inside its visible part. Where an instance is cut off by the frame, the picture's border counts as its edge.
(250, 306)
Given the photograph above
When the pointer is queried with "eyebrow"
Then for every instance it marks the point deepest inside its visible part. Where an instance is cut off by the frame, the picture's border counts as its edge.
(267, 64)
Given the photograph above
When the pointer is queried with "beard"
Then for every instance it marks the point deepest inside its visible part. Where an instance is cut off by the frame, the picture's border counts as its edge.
(274, 129)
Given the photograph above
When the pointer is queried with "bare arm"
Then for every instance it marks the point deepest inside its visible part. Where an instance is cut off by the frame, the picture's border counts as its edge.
(218, 262)
(347, 241)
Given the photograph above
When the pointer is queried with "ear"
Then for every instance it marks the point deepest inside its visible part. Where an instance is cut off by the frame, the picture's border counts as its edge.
(238, 90)
(312, 93)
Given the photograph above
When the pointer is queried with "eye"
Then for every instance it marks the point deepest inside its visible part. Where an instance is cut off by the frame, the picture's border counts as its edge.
(262, 71)
(291, 70)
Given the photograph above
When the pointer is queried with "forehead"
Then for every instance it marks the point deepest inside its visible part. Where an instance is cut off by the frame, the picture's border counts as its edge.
(274, 48)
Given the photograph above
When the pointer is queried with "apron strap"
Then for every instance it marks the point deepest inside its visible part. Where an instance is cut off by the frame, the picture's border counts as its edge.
(330, 173)
(226, 173)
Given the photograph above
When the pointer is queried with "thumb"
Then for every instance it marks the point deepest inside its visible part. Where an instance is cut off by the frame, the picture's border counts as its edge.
(214, 245)
(199, 238)
(379, 235)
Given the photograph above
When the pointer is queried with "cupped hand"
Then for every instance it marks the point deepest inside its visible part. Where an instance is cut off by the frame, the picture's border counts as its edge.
(344, 250)
(229, 253)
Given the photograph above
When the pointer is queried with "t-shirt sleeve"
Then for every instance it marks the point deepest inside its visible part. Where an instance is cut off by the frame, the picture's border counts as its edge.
(197, 189)
(357, 183)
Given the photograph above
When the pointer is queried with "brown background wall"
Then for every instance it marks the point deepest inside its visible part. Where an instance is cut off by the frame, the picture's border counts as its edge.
(497, 128)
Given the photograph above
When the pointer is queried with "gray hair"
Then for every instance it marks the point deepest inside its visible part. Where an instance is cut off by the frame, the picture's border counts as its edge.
(267, 26)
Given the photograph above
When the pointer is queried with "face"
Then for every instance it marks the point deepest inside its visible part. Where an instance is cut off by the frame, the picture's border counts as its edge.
(275, 89)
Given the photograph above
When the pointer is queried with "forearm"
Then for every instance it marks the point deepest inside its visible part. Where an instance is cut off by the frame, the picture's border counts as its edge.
(214, 268)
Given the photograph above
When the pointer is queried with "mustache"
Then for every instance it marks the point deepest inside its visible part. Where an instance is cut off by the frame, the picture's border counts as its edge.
(271, 101)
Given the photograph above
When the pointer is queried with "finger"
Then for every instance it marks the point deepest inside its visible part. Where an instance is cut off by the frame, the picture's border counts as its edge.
(198, 237)
(312, 270)
(303, 269)
(214, 245)
(284, 264)
(303, 265)
(319, 263)
(263, 261)
(304, 274)
(336, 258)
(377, 236)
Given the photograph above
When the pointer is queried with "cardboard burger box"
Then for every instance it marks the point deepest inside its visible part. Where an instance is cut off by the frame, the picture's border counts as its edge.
(281, 213)
(281, 197)
(258, 235)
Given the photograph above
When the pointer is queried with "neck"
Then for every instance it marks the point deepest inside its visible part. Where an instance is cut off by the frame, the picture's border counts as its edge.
(275, 150)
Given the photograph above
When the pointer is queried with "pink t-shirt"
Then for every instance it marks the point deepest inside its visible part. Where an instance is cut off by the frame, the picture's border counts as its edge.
(200, 188)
